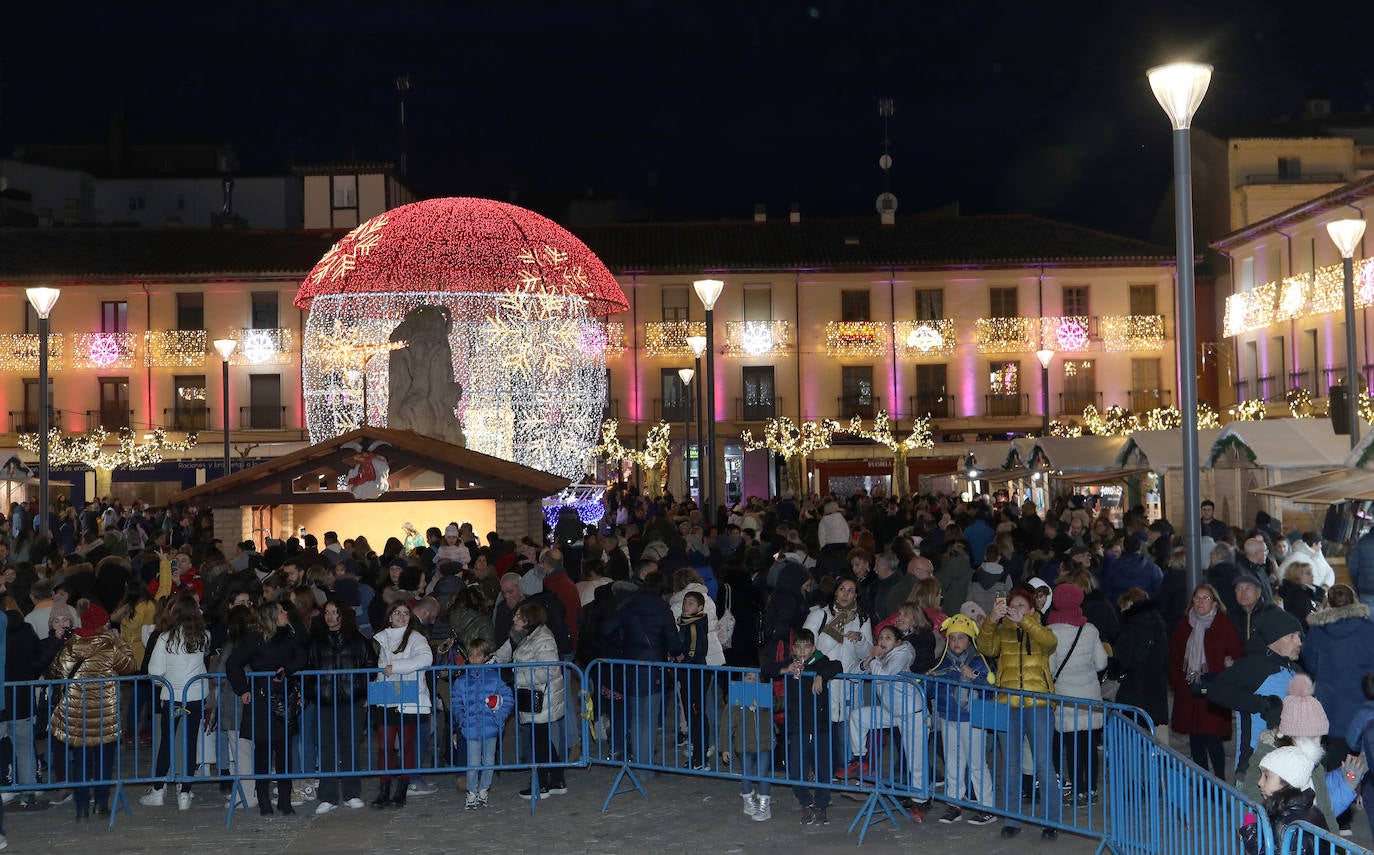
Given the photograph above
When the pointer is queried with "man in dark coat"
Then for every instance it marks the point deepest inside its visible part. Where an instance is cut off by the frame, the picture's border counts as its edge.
(643, 630)
(1256, 685)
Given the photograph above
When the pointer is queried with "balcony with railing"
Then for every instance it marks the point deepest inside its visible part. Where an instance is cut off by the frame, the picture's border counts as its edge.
(1242, 389)
(262, 418)
(1148, 399)
(262, 346)
(1074, 403)
(1303, 380)
(757, 409)
(1267, 388)
(19, 352)
(856, 339)
(188, 419)
(925, 339)
(26, 421)
(756, 338)
(1007, 405)
(1295, 178)
(679, 409)
(668, 339)
(858, 405)
(109, 418)
(936, 404)
(174, 348)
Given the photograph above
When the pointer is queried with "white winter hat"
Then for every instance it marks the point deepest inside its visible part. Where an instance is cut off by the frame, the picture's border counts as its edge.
(1294, 763)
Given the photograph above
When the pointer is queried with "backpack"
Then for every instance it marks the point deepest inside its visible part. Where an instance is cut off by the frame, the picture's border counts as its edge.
(725, 623)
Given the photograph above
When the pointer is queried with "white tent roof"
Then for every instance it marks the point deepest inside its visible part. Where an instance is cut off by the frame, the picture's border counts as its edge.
(1163, 449)
(1284, 443)
(1078, 453)
(1019, 452)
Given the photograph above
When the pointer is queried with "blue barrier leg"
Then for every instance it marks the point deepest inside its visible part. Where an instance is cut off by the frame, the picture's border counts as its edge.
(117, 800)
(534, 787)
(867, 814)
(625, 772)
(236, 795)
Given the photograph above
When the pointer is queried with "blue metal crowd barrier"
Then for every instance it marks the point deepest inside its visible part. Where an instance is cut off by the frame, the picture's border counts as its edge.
(1160, 802)
(83, 735)
(336, 727)
(1303, 838)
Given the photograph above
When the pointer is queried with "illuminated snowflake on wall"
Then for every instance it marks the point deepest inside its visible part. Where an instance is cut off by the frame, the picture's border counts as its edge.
(526, 298)
(103, 351)
(1071, 335)
(924, 339)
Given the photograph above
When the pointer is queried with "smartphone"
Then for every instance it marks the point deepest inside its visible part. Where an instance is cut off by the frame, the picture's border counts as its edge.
(1000, 601)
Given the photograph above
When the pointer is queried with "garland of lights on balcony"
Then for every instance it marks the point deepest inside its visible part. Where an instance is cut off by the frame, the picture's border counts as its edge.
(614, 332)
(261, 347)
(1006, 335)
(174, 349)
(1132, 333)
(856, 339)
(917, 339)
(669, 338)
(1305, 295)
(756, 338)
(88, 448)
(1118, 421)
(19, 352)
(103, 351)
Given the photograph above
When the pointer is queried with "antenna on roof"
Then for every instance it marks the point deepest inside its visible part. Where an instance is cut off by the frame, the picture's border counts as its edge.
(886, 202)
(402, 87)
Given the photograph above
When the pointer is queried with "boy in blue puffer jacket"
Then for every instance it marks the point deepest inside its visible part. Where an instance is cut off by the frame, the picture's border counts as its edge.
(481, 704)
(965, 748)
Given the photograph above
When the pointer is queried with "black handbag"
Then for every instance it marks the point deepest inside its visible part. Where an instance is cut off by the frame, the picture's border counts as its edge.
(285, 702)
(529, 701)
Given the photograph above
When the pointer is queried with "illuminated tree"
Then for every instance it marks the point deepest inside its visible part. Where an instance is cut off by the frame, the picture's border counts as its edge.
(653, 460)
(881, 433)
(89, 449)
(793, 442)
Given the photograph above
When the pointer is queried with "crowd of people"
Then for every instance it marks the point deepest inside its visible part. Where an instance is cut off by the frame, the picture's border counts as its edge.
(1269, 650)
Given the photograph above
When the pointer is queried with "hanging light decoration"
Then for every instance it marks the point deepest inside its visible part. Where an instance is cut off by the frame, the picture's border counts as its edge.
(88, 448)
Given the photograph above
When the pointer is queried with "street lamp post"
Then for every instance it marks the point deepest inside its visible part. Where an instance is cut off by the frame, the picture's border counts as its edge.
(42, 300)
(1346, 235)
(686, 375)
(225, 348)
(698, 345)
(708, 291)
(1179, 87)
(1044, 355)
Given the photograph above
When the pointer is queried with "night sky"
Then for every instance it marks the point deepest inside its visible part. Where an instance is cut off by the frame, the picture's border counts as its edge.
(695, 110)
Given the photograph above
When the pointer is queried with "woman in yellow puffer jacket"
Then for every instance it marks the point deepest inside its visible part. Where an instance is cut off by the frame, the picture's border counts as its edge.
(86, 715)
(1022, 646)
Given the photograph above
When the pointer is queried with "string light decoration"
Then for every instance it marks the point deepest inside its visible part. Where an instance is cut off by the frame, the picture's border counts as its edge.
(856, 339)
(174, 349)
(792, 442)
(669, 338)
(1367, 409)
(1069, 333)
(262, 347)
(615, 339)
(756, 338)
(88, 448)
(525, 298)
(1006, 335)
(1114, 421)
(1065, 429)
(1132, 333)
(917, 339)
(881, 433)
(1293, 295)
(1160, 418)
(653, 459)
(1253, 410)
(1299, 403)
(19, 353)
(103, 350)
(1207, 417)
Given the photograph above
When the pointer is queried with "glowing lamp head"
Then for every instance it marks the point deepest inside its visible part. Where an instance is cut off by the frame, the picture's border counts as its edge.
(42, 300)
(1179, 87)
(1044, 356)
(686, 374)
(1346, 234)
(698, 345)
(708, 291)
(225, 347)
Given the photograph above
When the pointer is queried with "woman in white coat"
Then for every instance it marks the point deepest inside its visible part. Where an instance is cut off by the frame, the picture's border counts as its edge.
(402, 654)
(1075, 663)
(844, 634)
(539, 692)
(179, 658)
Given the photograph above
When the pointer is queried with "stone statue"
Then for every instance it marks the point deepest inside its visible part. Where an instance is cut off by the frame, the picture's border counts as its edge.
(423, 396)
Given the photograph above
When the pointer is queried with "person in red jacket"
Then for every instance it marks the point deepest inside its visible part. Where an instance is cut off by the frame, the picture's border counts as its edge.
(561, 585)
(176, 576)
(1203, 643)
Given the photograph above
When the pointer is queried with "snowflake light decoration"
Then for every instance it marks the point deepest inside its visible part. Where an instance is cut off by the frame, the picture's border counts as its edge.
(1071, 335)
(257, 346)
(526, 300)
(924, 339)
(756, 339)
(103, 351)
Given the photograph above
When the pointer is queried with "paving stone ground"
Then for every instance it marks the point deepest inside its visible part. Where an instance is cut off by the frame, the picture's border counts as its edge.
(682, 815)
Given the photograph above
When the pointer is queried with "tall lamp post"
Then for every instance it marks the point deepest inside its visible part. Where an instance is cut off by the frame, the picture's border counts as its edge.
(225, 348)
(42, 300)
(698, 345)
(1044, 355)
(1179, 87)
(708, 291)
(686, 375)
(1346, 235)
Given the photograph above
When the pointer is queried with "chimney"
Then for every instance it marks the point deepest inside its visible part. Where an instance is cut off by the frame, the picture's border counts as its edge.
(794, 216)
(760, 213)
